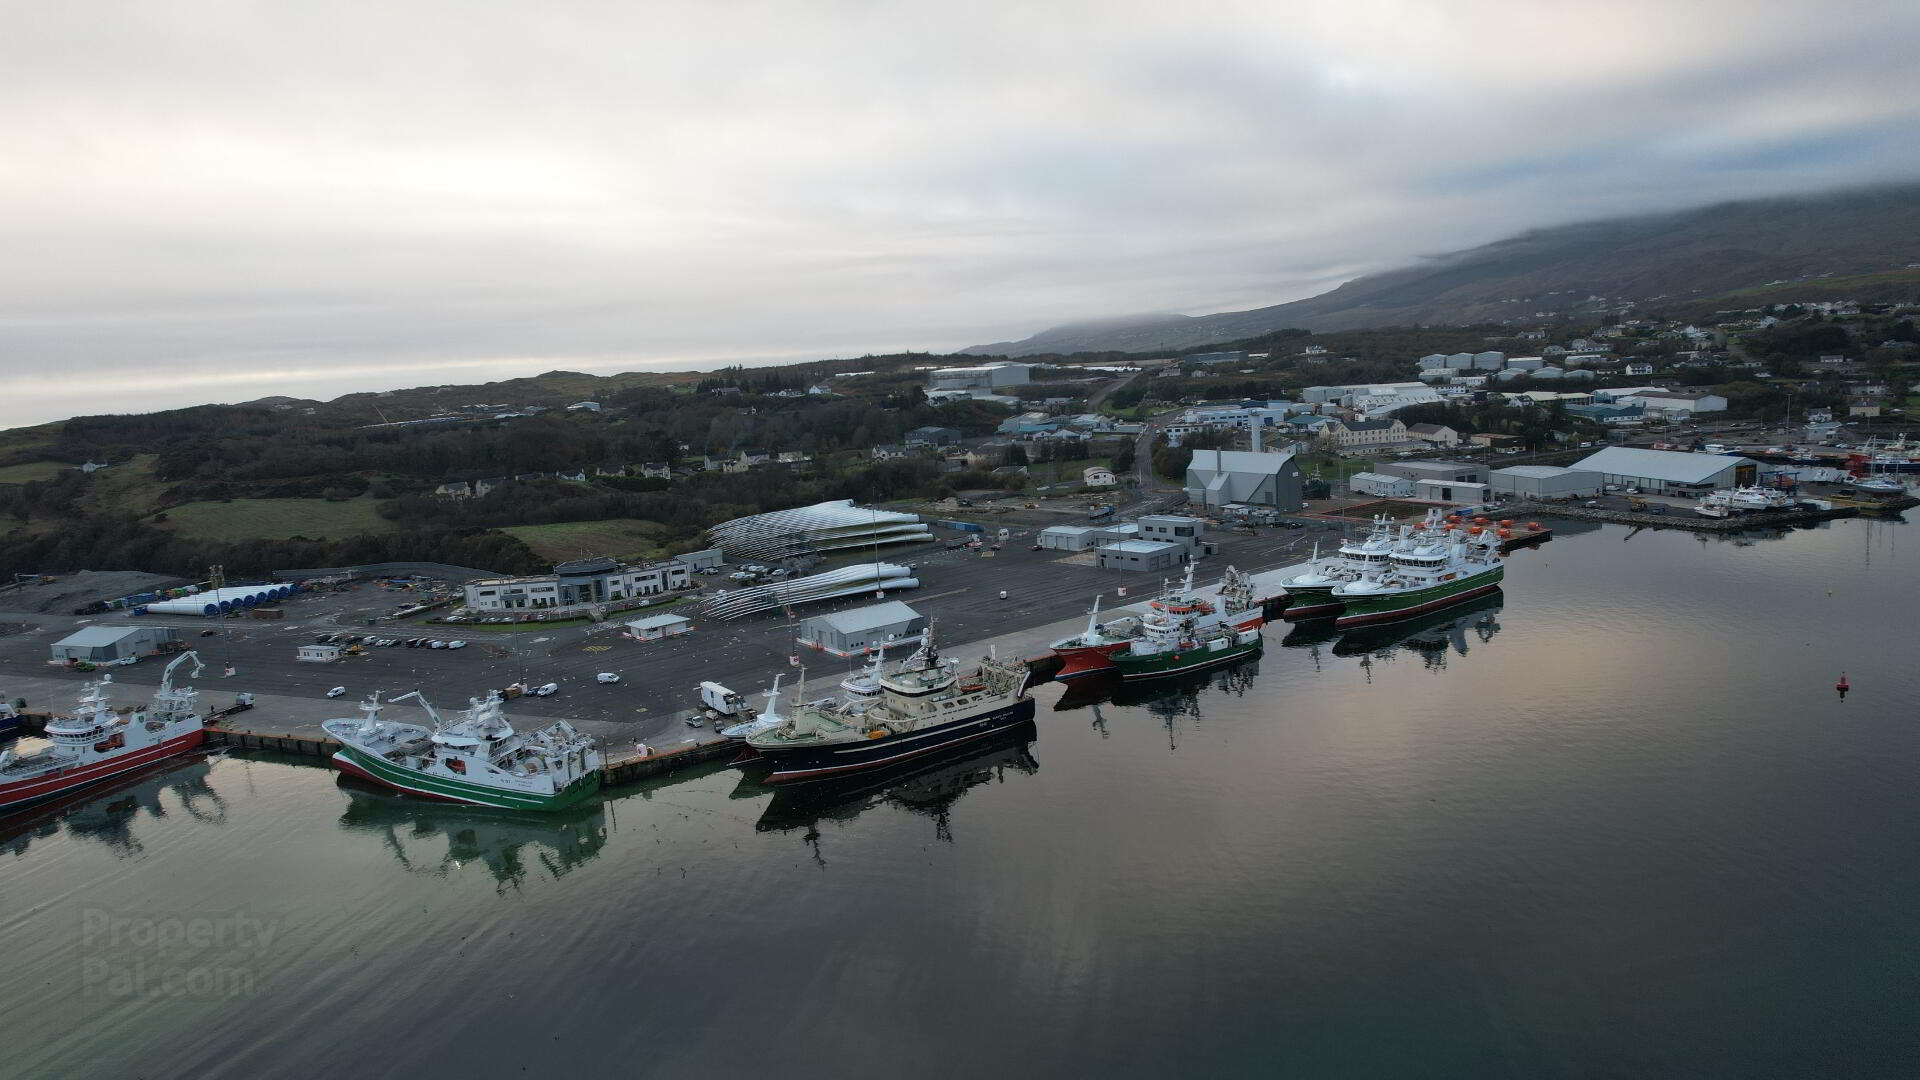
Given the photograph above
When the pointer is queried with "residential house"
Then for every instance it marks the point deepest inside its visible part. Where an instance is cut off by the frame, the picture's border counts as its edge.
(793, 457)
(658, 469)
(1638, 367)
(458, 490)
(751, 458)
(889, 451)
(584, 406)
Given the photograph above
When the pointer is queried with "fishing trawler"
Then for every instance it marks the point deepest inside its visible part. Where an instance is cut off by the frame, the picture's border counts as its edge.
(99, 742)
(476, 758)
(1173, 648)
(1897, 456)
(1310, 595)
(1429, 566)
(1092, 649)
(923, 705)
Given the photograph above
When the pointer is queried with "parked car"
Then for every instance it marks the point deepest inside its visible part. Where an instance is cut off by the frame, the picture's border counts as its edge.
(456, 644)
(607, 677)
(208, 633)
(546, 690)
(436, 644)
(338, 691)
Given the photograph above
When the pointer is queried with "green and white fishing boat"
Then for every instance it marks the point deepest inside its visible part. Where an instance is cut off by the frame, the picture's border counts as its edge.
(476, 758)
(1310, 595)
(1173, 640)
(1431, 565)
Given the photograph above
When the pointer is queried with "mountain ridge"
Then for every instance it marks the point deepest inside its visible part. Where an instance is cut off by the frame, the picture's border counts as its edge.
(1560, 273)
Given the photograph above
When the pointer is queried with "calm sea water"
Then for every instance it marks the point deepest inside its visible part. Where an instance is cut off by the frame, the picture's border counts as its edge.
(1616, 823)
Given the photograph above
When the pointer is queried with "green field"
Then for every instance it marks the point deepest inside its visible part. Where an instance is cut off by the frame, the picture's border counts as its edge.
(35, 470)
(277, 519)
(622, 538)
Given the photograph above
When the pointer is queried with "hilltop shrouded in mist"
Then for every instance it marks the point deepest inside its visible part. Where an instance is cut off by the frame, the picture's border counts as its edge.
(1564, 272)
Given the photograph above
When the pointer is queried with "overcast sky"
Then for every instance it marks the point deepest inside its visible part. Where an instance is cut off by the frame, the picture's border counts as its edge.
(215, 201)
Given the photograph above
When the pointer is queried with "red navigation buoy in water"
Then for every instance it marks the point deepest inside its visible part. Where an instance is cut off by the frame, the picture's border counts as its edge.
(1842, 686)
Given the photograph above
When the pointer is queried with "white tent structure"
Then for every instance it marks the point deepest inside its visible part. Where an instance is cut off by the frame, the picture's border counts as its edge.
(805, 530)
(221, 601)
(852, 580)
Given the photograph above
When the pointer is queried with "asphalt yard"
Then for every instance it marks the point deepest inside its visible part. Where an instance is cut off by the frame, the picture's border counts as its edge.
(960, 592)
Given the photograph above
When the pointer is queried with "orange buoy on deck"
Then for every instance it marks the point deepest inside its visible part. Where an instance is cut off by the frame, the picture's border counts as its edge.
(1534, 525)
(1506, 524)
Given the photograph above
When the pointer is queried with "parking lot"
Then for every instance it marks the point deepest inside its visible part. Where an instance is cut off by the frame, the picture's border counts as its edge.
(960, 591)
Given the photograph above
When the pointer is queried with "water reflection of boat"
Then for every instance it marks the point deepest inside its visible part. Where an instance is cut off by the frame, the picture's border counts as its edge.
(1234, 679)
(107, 812)
(439, 838)
(1307, 633)
(1174, 700)
(1434, 634)
(927, 786)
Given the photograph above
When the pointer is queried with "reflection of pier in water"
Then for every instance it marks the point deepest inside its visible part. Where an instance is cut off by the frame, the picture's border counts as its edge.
(929, 787)
(109, 812)
(440, 838)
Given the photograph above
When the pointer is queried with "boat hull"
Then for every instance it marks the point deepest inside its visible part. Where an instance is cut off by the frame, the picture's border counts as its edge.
(1362, 610)
(838, 759)
(371, 767)
(23, 792)
(1078, 660)
(1136, 668)
(1309, 602)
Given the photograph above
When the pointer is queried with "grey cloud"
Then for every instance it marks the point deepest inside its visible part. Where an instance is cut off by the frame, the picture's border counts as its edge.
(214, 202)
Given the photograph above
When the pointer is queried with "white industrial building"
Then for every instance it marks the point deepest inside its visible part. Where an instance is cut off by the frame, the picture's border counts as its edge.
(1218, 477)
(1545, 482)
(107, 644)
(983, 377)
(807, 530)
(874, 628)
(581, 583)
(1465, 472)
(1668, 472)
(1142, 555)
(1675, 402)
(1067, 537)
(1450, 491)
(655, 627)
(1381, 485)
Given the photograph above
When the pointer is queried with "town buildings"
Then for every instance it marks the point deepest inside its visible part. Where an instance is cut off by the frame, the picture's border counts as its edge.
(578, 584)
